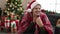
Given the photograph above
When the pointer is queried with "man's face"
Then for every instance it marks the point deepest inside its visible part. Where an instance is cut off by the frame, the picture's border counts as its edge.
(36, 10)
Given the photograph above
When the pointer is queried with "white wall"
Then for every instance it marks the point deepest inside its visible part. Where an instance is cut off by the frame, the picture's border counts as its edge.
(2, 3)
(52, 5)
(24, 2)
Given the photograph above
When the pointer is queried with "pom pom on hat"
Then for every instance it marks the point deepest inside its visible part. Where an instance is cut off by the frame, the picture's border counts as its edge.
(28, 10)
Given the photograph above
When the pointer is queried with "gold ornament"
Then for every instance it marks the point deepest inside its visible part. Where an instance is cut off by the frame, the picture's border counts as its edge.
(21, 5)
(12, 8)
(10, 5)
(15, 2)
(18, 9)
(15, 6)
(8, 9)
(14, 11)
(21, 9)
(5, 10)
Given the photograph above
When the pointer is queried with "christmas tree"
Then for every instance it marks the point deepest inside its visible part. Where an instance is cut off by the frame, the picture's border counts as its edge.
(14, 10)
(14, 6)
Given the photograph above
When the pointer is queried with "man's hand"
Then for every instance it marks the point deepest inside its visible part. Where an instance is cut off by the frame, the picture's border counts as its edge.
(39, 22)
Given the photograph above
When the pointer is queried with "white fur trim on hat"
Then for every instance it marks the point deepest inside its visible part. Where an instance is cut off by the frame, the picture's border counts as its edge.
(34, 4)
(28, 10)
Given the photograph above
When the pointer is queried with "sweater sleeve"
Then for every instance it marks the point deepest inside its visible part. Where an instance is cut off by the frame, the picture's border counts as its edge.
(43, 31)
(24, 24)
(47, 24)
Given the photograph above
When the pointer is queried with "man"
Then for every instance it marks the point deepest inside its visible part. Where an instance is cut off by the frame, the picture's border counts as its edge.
(35, 22)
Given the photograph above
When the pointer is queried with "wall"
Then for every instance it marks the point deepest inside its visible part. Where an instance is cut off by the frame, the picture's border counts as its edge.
(24, 2)
(2, 3)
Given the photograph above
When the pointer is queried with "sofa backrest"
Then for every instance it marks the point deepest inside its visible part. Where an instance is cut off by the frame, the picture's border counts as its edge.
(53, 18)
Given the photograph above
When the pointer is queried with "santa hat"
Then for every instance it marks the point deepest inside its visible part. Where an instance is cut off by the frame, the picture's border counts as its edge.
(31, 6)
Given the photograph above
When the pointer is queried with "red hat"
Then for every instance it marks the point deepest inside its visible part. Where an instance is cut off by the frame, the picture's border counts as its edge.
(32, 5)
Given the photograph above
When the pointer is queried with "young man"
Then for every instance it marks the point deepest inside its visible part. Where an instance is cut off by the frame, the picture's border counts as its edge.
(35, 22)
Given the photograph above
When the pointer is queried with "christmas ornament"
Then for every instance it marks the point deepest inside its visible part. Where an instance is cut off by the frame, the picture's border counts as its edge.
(21, 8)
(15, 6)
(18, 9)
(21, 5)
(14, 11)
(12, 8)
(15, 2)
(5, 10)
(10, 5)
(8, 9)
